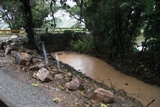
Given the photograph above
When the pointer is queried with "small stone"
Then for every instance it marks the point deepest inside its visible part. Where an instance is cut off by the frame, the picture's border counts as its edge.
(69, 74)
(29, 51)
(4, 47)
(58, 76)
(8, 50)
(28, 63)
(36, 60)
(41, 65)
(73, 85)
(34, 68)
(125, 83)
(13, 53)
(44, 75)
(102, 95)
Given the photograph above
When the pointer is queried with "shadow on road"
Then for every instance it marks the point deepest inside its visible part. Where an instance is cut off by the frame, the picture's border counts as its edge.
(2, 104)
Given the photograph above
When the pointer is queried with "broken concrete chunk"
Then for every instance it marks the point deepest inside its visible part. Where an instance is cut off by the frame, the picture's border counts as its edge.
(102, 95)
(21, 57)
(73, 85)
(44, 75)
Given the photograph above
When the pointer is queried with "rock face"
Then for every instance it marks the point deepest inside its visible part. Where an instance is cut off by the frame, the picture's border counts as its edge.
(21, 57)
(73, 85)
(44, 75)
(101, 95)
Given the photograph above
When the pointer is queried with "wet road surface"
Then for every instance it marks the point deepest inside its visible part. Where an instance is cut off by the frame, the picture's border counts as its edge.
(16, 93)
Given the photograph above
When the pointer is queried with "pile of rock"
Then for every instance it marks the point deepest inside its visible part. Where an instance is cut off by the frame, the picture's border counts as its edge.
(34, 62)
(25, 57)
(41, 71)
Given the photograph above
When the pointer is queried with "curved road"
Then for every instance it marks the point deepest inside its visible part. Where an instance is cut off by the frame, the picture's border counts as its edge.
(16, 93)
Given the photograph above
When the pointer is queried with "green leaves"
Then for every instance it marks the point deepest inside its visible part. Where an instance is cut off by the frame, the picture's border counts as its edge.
(124, 5)
(89, 3)
(35, 85)
(57, 100)
(105, 105)
(61, 87)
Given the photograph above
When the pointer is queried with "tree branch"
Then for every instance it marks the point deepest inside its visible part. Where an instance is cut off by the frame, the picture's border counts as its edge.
(79, 19)
(51, 5)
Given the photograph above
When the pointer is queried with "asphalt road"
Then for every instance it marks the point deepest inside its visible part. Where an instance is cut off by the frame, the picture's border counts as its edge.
(16, 93)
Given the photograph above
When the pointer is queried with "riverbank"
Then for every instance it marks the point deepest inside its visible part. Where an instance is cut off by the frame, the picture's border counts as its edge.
(129, 69)
(82, 97)
(103, 72)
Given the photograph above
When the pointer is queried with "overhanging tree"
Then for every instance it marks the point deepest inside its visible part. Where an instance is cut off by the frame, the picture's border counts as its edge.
(11, 14)
(27, 14)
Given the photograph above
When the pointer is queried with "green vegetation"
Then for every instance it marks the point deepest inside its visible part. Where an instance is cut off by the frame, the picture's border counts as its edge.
(114, 27)
(84, 45)
(57, 100)
(11, 14)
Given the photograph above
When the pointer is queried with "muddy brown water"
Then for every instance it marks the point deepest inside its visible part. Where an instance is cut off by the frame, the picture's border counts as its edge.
(100, 70)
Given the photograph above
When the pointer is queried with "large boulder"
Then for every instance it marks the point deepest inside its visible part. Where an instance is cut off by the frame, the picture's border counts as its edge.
(44, 75)
(73, 85)
(21, 57)
(102, 95)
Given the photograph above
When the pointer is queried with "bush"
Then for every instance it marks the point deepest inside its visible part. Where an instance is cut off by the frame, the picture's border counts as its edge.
(84, 45)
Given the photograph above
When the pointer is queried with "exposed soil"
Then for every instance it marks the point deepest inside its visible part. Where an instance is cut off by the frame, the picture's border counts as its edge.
(56, 88)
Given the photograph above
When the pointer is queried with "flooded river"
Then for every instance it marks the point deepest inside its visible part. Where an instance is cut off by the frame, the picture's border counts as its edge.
(100, 70)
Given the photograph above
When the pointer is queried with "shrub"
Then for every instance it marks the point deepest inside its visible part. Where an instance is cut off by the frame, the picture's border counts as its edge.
(84, 45)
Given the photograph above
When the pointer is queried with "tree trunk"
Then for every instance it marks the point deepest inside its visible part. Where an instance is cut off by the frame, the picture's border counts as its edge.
(26, 9)
(118, 27)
